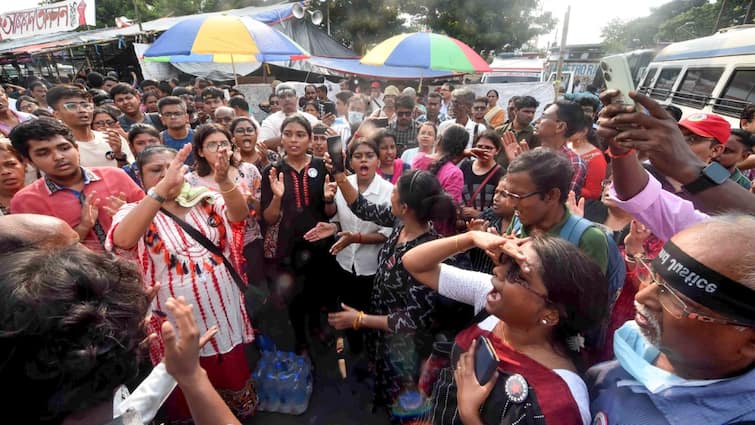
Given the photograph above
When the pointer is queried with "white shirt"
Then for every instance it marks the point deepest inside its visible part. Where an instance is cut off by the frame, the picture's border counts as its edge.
(362, 257)
(471, 125)
(148, 397)
(470, 287)
(271, 126)
(92, 154)
(343, 128)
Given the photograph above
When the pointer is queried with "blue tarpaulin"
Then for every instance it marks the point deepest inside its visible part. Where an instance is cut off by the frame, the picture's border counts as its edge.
(354, 67)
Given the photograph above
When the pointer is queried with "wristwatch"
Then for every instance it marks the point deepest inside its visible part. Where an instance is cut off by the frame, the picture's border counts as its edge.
(152, 193)
(713, 174)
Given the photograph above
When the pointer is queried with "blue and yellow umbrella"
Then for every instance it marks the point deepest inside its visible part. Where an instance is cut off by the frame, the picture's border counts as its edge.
(223, 39)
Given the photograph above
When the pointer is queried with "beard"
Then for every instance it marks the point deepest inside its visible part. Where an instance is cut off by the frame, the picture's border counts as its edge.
(653, 331)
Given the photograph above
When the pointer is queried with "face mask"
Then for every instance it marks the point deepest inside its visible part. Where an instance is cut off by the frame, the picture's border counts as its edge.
(355, 117)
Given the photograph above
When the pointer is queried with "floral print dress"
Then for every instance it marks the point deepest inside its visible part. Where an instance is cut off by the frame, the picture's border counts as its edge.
(395, 357)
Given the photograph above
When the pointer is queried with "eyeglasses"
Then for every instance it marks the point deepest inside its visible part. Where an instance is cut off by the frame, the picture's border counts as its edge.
(214, 146)
(105, 123)
(480, 108)
(224, 119)
(172, 114)
(404, 113)
(74, 106)
(670, 301)
(245, 130)
(508, 194)
(514, 276)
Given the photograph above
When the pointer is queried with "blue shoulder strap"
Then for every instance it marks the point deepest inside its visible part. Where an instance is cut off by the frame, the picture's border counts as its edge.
(574, 228)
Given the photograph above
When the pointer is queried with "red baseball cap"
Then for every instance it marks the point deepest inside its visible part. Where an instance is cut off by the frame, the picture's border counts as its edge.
(708, 125)
(375, 85)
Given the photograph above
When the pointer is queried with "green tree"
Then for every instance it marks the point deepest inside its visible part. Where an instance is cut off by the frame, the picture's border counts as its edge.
(677, 20)
(701, 20)
(360, 24)
(485, 24)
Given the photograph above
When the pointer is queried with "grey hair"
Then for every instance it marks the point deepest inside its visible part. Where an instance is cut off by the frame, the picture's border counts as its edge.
(464, 95)
(737, 229)
(226, 109)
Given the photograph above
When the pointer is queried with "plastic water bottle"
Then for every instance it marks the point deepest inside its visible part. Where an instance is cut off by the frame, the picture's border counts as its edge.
(273, 387)
(302, 387)
(286, 379)
(259, 381)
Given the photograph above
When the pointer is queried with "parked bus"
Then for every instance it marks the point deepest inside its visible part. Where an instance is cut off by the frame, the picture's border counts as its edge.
(710, 74)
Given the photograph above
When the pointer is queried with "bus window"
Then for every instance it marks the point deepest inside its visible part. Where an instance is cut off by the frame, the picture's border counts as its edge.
(697, 86)
(644, 86)
(665, 83)
(738, 92)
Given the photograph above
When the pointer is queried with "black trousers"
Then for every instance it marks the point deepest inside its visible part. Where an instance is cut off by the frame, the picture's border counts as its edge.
(354, 291)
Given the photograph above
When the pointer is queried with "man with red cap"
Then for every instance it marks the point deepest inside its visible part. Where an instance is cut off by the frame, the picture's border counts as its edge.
(706, 134)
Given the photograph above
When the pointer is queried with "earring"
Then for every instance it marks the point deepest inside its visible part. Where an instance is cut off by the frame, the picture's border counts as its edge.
(545, 322)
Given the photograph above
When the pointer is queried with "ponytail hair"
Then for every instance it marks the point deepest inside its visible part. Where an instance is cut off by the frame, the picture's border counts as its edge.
(452, 143)
(423, 194)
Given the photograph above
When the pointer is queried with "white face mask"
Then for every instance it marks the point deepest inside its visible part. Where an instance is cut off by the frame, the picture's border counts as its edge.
(356, 117)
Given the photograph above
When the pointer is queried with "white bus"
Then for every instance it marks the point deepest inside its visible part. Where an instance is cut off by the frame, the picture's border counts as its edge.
(710, 74)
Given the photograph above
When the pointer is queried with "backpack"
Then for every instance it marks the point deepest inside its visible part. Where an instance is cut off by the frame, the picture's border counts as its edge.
(616, 270)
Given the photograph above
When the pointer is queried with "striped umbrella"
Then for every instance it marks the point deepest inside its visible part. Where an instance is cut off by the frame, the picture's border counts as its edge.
(223, 39)
(425, 50)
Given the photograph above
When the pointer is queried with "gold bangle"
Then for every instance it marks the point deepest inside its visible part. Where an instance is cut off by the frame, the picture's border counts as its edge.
(358, 321)
(224, 192)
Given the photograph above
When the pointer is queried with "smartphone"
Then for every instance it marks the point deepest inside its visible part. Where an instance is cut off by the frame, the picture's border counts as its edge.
(381, 122)
(335, 150)
(485, 360)
(618, 76)
(327, 108)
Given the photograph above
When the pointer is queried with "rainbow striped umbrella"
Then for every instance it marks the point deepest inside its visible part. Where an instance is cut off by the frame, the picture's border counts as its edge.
(426, 50)
(223, 39)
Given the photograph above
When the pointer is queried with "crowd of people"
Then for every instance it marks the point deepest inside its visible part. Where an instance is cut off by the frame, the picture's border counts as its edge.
(600, 254)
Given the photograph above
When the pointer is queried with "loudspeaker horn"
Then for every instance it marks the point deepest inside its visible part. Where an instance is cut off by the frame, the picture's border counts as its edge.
(298, 11)
(316, 17)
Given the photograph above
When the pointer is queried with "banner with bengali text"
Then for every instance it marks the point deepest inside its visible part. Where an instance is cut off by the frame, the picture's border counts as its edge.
(47, 19)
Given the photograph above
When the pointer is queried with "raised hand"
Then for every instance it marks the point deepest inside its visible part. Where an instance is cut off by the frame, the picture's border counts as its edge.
(114, 140)
(181, 354)
(223, 164)
(276, 183)
(170, 186)
(511, 146)
(113, 203)
(90, 210)
(635, 239)
(576, 207)
(329, 189)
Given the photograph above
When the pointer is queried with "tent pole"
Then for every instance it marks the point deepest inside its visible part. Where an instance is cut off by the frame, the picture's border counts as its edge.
(233, 68)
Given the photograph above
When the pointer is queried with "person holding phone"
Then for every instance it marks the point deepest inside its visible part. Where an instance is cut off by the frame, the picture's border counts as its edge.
(208, 141)
(481, 175)
(401, 310)
(542, 300)
(359, 242)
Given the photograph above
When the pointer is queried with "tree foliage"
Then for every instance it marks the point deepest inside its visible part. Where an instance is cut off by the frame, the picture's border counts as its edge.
(359, 24)
(677, 20)
(484, 24)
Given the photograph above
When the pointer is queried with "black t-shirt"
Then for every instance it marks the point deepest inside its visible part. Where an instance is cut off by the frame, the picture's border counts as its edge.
(472, 182)
(302, 206)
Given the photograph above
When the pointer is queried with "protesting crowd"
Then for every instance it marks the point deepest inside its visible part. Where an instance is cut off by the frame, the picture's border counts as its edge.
(590, 264)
